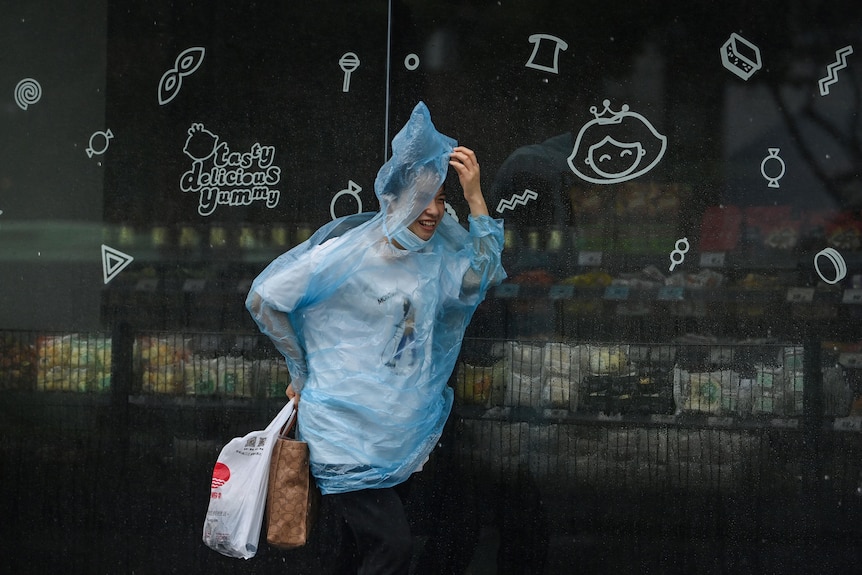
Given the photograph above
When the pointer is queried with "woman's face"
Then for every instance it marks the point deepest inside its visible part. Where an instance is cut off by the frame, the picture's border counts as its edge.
(425, 225)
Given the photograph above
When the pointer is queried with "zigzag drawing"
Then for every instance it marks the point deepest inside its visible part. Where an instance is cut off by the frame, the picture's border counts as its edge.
(517, 199)
(832, 70)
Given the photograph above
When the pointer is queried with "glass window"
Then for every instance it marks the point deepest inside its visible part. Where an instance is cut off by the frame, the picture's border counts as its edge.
(680, 189)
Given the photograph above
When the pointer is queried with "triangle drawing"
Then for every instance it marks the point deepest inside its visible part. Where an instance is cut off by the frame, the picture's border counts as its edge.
(113, 262)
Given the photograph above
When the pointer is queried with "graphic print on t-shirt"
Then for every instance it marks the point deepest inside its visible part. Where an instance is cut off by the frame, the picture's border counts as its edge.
(398, 353)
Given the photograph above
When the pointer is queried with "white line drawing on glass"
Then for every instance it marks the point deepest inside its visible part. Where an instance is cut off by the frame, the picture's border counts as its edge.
(773, 155)
(411, 62)
(837, 262)
(113, 262)
(103, 138)
(186, 63)
(352, 189)
(536, 40)
(223, 177)
(740, 56)
(616, 146)
(28, 91)
(348, 63)
(677, 256)
(832, 69)
(517, 199)
(449, 210)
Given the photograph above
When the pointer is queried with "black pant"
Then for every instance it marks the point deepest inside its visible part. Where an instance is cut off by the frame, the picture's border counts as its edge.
(380, 530)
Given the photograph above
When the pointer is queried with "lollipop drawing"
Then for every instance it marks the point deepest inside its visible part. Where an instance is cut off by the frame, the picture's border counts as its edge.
(348, 63)
(615, 147)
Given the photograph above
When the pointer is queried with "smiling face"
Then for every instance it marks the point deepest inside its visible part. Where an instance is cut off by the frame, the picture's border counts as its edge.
(425, 225)
(611, 159)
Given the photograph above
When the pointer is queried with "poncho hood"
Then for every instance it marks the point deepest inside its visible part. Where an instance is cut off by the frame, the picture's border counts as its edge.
(409, 180)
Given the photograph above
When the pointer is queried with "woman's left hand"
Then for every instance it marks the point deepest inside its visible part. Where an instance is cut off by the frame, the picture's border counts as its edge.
(464, 161)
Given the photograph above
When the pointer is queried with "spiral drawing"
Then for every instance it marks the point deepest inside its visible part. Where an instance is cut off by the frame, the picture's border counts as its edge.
(28, 91)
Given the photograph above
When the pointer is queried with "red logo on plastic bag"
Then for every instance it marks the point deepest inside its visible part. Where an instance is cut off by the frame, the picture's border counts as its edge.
(221, 473)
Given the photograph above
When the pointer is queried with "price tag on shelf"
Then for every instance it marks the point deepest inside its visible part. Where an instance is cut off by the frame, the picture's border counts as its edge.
(507, 290)
(194, 285)
(147, 284)
(712, 260)
(715, 421)
(617, 292)
(243, 286)
(561, 292)
(590, 258)
(852, 296)
(781, 423)
(800, 295)
(847, 423)
(671, 293)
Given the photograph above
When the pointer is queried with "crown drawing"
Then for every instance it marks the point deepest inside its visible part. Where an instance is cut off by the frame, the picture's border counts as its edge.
(608, 116)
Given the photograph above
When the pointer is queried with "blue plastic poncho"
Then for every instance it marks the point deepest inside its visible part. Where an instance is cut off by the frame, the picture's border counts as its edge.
(371, 332)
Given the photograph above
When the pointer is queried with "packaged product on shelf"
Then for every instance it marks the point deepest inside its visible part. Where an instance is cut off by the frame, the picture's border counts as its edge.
(522, 390)
(771, 227)
(156, 351)
(270, 377)
(791, 357)
(538, 376)
(607, 393)
(234, 376)
(720, 229)
(73, 362)
(61, 379)
(163, 379)
(647, 217)
(770, 394)
(200, 375)
(711, 392)
(608, 360)
(557, 392)
(744, 401)
(844, 232)
(522, 358)
(160, 361)
(474, 385)
(18, 362)
(794, 385)
(561, 372)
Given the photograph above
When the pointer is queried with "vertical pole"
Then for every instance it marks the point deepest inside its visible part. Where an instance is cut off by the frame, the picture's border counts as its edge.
(388, 69)
(812, 438)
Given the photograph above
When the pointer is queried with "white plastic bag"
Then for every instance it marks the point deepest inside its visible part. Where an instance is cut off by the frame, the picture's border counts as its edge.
(238, 497)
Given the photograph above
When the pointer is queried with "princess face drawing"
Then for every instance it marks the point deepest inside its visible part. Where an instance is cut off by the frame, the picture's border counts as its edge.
(616, 147)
